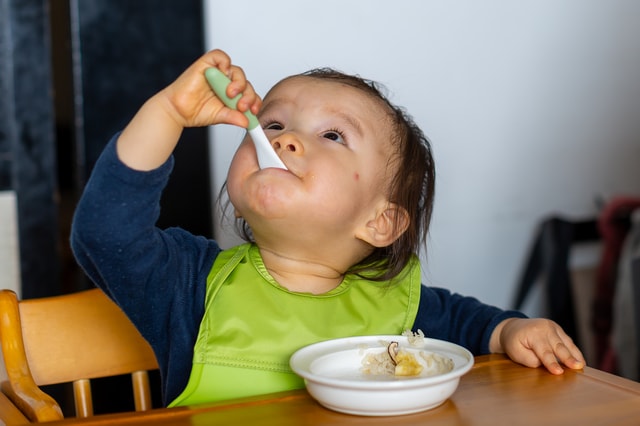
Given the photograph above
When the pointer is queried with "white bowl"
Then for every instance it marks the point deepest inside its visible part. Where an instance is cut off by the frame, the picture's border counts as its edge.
(332, 371)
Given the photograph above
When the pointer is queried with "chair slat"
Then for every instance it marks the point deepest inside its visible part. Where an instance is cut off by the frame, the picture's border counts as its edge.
(141, 390)
(82, 397)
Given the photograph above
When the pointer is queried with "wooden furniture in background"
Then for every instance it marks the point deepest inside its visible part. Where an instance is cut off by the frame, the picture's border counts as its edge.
(69, 338)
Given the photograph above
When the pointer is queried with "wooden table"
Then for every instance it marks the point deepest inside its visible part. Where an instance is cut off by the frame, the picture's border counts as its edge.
(495, 392)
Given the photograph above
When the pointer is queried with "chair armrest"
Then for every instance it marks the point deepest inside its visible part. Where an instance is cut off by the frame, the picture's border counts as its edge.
(10, 414)
(21, 388)
(33, 402)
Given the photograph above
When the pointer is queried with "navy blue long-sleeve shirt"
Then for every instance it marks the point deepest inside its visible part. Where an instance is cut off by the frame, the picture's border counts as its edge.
(158, 277)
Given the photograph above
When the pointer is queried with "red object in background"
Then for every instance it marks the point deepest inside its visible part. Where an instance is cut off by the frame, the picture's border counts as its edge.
(614, 223)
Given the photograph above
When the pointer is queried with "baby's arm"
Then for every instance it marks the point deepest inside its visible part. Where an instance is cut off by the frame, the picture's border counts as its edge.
(152, 134)
(535, 342)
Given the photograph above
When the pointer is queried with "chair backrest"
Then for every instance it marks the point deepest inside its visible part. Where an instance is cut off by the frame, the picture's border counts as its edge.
(69, 338)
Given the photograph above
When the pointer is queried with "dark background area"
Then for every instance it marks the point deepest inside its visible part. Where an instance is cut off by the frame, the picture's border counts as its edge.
(72, 73)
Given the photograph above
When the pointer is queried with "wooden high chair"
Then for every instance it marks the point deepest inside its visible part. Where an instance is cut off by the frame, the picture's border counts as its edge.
(69, 338)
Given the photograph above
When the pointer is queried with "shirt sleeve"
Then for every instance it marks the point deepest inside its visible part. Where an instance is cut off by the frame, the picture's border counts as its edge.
(157, 277)
(459, 319)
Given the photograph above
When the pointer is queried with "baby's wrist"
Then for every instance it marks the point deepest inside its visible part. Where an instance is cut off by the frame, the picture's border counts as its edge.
(497, 342)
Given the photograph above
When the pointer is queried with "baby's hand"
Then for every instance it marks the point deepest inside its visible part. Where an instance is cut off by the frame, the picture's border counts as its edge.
(535, 342)
(192, 103)
(152, 134)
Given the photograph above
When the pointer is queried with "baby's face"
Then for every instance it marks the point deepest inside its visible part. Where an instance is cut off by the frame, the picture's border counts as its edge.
(335, 141)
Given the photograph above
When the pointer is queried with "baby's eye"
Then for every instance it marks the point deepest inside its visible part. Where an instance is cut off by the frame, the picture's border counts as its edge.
(334, 135)
(274, 126)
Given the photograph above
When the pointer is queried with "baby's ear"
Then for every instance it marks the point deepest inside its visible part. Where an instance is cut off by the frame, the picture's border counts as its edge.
(389, 223)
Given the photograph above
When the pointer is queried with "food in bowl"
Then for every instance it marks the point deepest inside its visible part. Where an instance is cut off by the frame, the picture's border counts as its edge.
(394, 360)
(411, 361)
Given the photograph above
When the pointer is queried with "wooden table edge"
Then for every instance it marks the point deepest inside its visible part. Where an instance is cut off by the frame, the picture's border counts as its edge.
(590, 372)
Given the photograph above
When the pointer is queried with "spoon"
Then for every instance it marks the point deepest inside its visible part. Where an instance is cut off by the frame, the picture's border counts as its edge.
(267, 157)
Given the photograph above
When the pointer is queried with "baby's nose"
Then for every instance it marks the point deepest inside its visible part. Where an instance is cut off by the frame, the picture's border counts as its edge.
(288, 142)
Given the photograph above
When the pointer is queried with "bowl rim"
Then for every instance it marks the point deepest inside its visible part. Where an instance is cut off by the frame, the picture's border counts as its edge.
(300, 362)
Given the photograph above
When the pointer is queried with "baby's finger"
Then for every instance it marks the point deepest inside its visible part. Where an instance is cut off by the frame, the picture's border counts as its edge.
(569, 354)
(526, 357)
(551, 363)
(238, 81)
(219, 59)
(548, 357)
(240, 84)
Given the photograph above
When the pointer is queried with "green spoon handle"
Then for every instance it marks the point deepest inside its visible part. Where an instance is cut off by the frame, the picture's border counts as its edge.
(219, 82)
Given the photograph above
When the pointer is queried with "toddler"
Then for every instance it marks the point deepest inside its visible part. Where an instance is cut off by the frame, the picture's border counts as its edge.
(332, 240)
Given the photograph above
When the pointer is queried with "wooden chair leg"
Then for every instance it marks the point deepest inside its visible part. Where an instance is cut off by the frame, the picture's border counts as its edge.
(82, 397)
(141, 390)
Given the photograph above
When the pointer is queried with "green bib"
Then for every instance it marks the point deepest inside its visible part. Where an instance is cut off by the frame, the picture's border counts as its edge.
(252, 325)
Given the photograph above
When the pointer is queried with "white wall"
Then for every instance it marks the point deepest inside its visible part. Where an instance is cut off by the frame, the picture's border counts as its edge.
(533, 107)
(9, 249)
